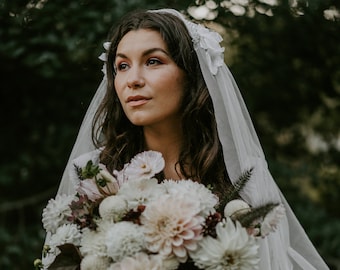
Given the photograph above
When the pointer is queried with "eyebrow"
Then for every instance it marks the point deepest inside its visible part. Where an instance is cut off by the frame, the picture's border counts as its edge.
(147, 52)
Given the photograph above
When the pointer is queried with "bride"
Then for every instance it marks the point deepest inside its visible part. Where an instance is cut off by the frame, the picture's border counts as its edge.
(166, 88)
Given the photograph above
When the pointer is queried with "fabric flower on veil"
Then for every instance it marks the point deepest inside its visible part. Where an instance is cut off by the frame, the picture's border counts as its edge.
(103, 56)
(205, 39)
(209, 41)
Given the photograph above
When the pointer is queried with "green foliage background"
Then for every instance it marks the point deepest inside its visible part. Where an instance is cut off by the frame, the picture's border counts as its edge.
(286, 65)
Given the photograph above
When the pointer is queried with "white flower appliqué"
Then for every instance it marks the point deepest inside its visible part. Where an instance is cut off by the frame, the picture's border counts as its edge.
(209, 41)
(103, 56)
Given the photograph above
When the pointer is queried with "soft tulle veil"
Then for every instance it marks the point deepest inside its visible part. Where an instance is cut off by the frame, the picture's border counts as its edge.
(288, 248)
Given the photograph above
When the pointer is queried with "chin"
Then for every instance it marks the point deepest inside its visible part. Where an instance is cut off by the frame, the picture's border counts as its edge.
(139, 119)
(139, 122)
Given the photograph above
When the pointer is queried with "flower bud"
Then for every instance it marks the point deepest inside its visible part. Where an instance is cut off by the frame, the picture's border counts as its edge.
(235, 208)
(38, 264)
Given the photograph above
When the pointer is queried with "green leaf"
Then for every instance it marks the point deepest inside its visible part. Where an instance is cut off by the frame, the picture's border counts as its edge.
(259, 212)
(68, 259)
(90, 170)
(235, 189)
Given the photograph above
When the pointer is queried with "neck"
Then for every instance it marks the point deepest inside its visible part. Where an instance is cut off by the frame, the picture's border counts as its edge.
(168, 141)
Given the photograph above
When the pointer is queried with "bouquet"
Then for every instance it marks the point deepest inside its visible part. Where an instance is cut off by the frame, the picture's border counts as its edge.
(130, 220)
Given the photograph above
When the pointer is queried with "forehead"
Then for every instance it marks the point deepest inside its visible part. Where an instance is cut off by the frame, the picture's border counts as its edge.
(140, 40)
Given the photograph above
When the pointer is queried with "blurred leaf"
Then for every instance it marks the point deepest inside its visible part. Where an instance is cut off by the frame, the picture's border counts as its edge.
(68, 259)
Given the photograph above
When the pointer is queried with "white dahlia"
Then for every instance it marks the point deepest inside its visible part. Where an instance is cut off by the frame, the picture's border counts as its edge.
(124, 239)
(172, 226)
(232, 249)
(113, 208)
(56, 212)
(145, 165)
(66, 234)
(91, 262)
(196, 191)
(93, 243)
(141, 192)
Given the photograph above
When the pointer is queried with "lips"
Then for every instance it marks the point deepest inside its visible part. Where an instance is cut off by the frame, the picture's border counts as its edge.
(134, 101)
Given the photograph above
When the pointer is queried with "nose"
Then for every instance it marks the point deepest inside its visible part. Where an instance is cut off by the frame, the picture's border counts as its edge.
(135, 78)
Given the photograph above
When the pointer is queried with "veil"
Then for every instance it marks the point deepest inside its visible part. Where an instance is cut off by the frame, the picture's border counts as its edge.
(289, 247)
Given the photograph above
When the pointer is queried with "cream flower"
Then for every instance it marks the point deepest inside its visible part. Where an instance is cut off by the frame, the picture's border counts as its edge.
(145, 165)
(272, 219)
(113, 208)
(93, 243)
(169, 263)
(194, 190)
(56, 212)
(141, 261)
(141, 192)
(98, 186)
(66, 234)
(111, 184)
(235, 208)
(124, 239)
(91, 262)
(232, 249)
(89, 188)
(120, 175)
(172, 226)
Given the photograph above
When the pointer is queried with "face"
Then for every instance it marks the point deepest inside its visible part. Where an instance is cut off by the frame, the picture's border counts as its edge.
(148, 82)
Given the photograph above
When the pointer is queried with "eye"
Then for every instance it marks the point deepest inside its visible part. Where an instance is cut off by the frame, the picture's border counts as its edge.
(122, 66)
(153, 62)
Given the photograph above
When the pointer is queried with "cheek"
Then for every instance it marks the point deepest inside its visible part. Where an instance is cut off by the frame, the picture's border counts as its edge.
(180, 86)
(118, 89)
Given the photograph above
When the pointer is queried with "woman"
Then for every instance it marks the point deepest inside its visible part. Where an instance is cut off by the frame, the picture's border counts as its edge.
(167, 89)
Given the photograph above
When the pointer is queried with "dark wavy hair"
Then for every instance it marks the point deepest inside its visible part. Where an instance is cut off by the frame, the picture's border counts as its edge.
(121, 140)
